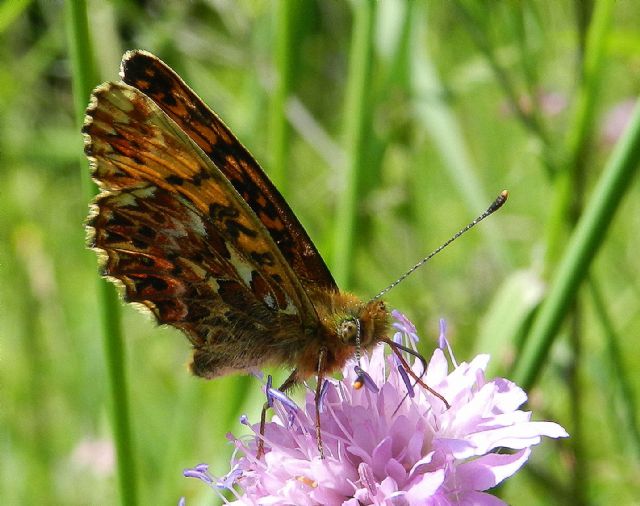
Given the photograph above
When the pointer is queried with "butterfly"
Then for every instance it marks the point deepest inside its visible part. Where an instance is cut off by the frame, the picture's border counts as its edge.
(191, 227)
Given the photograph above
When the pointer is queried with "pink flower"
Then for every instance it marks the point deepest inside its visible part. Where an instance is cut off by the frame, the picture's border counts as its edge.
(387, 447)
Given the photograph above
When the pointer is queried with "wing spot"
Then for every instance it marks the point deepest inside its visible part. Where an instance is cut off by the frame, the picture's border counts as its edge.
(235, 229)
(263, 258)
(202, 175)
(157, 284)
(113, 237)
(221, 212)
(138, 243)
(174, 180)
(225, 217)
(119, 219)
(147, 231)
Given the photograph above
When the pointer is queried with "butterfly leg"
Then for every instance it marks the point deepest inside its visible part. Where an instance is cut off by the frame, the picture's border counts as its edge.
(291, 381)
(321, 370)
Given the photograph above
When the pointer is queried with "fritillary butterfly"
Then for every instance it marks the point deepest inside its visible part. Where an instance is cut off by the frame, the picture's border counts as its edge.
(192, 228)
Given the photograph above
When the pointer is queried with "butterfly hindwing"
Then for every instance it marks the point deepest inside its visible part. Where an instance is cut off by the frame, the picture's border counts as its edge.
(154, 78)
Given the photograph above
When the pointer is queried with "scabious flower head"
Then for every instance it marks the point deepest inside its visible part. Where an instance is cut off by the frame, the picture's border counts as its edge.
(389, 447)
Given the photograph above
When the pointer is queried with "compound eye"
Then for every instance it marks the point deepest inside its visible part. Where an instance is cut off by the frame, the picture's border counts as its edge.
(348, 330)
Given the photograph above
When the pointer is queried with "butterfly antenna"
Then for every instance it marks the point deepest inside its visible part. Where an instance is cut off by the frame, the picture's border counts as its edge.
(497, 204)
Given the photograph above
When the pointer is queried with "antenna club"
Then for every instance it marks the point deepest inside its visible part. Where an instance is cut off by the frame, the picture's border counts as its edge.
(499, 201)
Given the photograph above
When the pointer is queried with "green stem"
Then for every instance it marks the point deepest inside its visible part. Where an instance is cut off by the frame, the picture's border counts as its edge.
(356, 114)
(10, 11)
(83, 81)
(115, 355)
(279, 127)
(580, 130)
(580, 477)
(624, 398)
(583, 245)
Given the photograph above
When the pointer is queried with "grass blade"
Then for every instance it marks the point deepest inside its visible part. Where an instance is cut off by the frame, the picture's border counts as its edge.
(279, 126)
(355, 119)
(83, 81)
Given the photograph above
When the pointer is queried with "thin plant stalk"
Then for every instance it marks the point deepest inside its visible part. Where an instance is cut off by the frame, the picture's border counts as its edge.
(626, 407)
(279, 126)
(356, 115)
(580, 130)
(83, 80)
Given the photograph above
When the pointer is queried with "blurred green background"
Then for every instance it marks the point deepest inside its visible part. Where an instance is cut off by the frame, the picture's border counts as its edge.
(388, 126)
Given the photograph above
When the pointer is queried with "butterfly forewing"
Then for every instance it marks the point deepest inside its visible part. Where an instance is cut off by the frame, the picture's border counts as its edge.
(181, 239)
(150, 75)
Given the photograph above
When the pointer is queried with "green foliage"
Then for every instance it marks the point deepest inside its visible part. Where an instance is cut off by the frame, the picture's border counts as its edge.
(393, 124)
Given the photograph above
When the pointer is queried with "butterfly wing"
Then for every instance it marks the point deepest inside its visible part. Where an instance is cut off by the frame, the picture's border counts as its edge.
(158, 81)
(181, 239)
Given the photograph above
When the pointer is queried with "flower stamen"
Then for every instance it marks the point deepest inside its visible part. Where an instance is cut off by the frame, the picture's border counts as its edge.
(395, 347)
(364, 379)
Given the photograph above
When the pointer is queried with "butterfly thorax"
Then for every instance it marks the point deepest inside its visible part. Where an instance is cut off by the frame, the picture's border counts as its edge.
(335, 310)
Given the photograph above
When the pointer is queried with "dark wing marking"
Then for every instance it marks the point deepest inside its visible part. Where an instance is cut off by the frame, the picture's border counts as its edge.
(158, 81)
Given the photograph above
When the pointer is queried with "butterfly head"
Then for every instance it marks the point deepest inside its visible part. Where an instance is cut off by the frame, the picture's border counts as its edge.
(349, 330)
(364, 325)
(367, 326)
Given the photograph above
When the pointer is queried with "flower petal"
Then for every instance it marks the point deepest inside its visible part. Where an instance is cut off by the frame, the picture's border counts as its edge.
(425, 486)
(488, 471)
